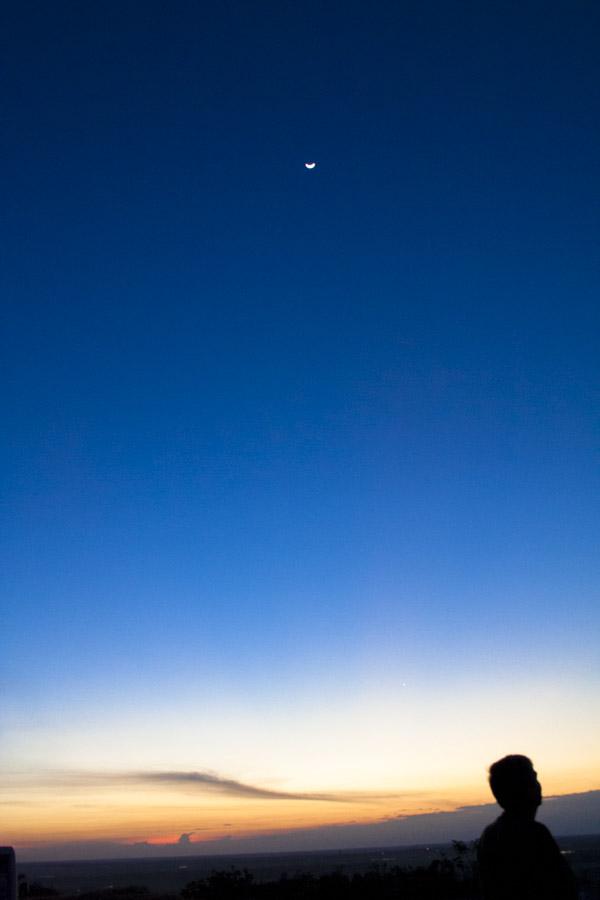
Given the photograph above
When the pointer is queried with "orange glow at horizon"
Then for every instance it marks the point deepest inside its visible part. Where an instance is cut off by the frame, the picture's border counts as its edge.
(362, 761)
(132, 816)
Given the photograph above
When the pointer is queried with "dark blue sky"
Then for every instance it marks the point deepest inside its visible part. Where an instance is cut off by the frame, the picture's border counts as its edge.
(263, 420)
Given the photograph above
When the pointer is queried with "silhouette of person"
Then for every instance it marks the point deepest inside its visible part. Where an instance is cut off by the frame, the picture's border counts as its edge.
(518, 857)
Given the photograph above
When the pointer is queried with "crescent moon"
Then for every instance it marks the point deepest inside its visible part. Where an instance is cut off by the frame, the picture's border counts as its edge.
(310, 165)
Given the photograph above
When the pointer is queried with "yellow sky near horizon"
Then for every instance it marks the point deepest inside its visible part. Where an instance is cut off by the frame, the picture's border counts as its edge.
(158, 813)
(97, 776)
(42, 813)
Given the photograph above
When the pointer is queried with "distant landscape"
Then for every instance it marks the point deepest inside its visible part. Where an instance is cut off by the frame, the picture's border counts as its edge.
(428, 866)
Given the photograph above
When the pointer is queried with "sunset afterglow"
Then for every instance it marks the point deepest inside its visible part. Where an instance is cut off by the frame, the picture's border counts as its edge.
(301, 492)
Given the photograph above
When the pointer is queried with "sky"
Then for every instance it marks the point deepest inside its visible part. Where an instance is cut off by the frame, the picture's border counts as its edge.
(300, 467)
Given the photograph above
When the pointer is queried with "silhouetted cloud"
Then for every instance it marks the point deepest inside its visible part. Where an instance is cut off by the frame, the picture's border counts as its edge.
(210, 781)
(202, 780)
(184, 839)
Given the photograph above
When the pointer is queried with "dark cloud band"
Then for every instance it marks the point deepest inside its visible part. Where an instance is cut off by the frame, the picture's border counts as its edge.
(233, 788)
(196, 780)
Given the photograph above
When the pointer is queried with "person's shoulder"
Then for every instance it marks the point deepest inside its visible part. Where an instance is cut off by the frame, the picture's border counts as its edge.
(490, 833)
(492, 827)
(541, 831)
(543, 835)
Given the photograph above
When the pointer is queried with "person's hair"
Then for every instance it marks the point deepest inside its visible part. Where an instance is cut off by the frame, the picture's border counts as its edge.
(510, 780)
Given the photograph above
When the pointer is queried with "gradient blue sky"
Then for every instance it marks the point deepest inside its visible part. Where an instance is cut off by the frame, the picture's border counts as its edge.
(282, 443)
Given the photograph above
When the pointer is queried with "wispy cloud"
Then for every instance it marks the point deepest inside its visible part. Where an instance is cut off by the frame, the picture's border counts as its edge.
(212, 782)
(201, 780)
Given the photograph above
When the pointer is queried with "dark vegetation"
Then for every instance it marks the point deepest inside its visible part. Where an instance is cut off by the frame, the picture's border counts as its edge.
(450, 877)
(397, 883)
(444, 878)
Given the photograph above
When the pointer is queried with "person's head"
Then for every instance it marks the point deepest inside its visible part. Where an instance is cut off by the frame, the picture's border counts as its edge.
(514, 784)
